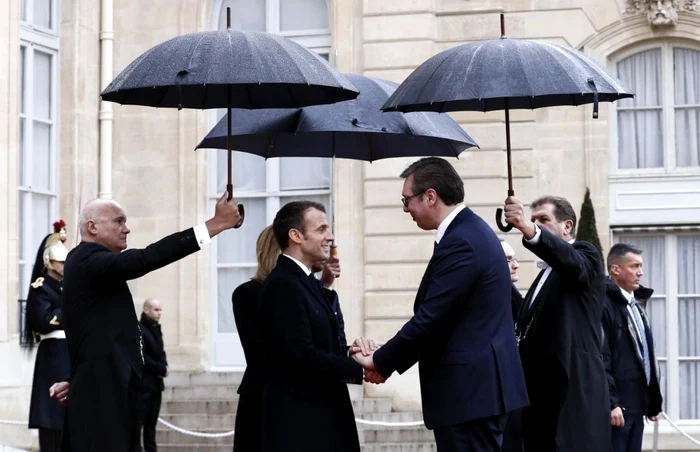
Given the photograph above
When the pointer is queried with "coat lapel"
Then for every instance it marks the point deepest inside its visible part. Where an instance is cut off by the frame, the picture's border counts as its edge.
(636, 340)
(311, 286)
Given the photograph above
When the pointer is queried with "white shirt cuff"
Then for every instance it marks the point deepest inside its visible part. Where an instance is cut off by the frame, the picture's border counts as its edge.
(201, 233)
(536, 239)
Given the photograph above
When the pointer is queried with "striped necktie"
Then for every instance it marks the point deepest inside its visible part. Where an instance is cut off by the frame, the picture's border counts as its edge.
(636, 316)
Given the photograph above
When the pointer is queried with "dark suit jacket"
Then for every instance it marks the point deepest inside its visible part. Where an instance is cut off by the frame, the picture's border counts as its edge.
(306, 404)
(561, 351)
(461, 332)
(622, 354)
(103, 336)
(249, 412)
(154, 357)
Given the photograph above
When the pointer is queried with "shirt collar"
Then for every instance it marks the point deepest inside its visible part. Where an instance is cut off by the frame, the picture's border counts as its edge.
(446, 222)
(628, 296)
(306, 269)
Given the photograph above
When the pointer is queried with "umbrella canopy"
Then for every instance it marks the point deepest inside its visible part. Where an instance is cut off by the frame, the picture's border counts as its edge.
(502, 74)
(356, 129)
(229, 68)
(505, 73)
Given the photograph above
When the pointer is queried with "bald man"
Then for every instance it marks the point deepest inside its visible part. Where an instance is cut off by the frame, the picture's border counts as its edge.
(102, 330)
(155, 369)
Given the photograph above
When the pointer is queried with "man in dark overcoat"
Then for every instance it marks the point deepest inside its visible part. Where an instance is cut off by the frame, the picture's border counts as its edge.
(306, 404)
(155, 369)
(559, 333)
(102, 329)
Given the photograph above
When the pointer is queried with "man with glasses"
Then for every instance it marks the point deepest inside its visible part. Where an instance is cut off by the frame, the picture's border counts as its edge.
(461, 333)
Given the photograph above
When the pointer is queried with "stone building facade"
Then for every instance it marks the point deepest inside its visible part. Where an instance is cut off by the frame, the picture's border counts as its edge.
(60, 146)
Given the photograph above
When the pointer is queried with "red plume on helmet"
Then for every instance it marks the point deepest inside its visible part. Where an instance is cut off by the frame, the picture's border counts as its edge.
(60, 227)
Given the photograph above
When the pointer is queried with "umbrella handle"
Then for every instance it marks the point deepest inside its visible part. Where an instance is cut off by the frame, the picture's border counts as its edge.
(499, 217)
(241, 210)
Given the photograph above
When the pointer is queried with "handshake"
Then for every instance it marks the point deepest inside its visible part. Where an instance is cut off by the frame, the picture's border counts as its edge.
(362, 350)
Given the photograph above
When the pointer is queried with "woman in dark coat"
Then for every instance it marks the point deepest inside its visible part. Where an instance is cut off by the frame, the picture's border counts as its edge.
(44, 321)
(245, 311)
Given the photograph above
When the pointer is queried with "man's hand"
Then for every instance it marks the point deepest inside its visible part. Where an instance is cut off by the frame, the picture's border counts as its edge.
(364, 360)
(617, 419)
(372, 376)
(226, 215)
(60, 391)
(364, 345)
(515, 215)
(653, 418)
(331, 271)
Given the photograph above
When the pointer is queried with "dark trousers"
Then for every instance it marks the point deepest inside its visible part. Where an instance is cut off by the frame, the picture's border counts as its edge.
(132, 404)
(629, 437)
(149, 409)
(512, 435)
(248, 426)
(49, 440)
(480, 435)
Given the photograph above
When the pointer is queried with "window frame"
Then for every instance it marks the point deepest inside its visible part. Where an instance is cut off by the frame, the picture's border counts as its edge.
(35, 39)
(667, 114)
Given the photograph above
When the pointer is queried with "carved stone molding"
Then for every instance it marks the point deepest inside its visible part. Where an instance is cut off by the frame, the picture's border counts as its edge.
(661, 12)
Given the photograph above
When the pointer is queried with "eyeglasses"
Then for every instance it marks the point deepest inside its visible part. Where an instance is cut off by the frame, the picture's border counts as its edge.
(511, 260)
(405, 201)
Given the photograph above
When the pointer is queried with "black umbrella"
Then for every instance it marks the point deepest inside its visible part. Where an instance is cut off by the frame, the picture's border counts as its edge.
(504, 74)
(356, 129)
(225, 69)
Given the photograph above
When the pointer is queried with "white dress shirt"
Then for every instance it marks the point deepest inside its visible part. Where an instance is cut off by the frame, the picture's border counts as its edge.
(306, 269)
(446, 222)
(201, 234)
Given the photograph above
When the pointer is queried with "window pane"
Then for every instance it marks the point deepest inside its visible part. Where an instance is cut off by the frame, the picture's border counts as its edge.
(22, 153)
(303, 15)
(688, 332)
(663, 381)
(22, 230)
(248, 172)
(641, 73)
(689, 264)
(640, 139)
(688, 136)
(42, 13)
(23, 10)
(689, 394)
(228, 280)
(40, 172)
(22, 77)
(245, 15)
(42, 85)
(686, 76)
(305, 173)
(238, 245)
(41, 223)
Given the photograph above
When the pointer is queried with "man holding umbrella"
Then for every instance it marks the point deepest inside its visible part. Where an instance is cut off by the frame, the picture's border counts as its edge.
(558, 331)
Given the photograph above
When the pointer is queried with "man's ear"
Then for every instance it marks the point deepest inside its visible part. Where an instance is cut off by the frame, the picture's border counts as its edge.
(295, 236)
(91, 227)
(614, 269)
(568, 226)
(431, 196)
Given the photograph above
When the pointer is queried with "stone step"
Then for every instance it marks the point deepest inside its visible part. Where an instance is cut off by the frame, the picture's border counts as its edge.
(394, 416)
(203, 378)
(396, 435)
(211, 407)
(229, 406)
(197, 422)
(199, 447)
(205, 392)
(174, 437)
(400, 447)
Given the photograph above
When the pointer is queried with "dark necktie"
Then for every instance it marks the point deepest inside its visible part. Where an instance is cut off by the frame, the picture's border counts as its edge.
(642, 338)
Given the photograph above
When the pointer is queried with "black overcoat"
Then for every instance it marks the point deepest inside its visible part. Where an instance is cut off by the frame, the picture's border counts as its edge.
(306, 404)
(561, 352)
(52, 362)
(104, 339)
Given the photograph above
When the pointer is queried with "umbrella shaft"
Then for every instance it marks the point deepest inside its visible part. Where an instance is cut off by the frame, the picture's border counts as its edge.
(511, 192)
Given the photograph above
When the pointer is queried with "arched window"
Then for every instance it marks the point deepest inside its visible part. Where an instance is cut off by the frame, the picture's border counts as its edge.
(38, 131)
(660, 127)
(263, 186)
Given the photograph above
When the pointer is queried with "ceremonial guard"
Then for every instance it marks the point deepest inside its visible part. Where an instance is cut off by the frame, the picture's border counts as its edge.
(44, 325)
